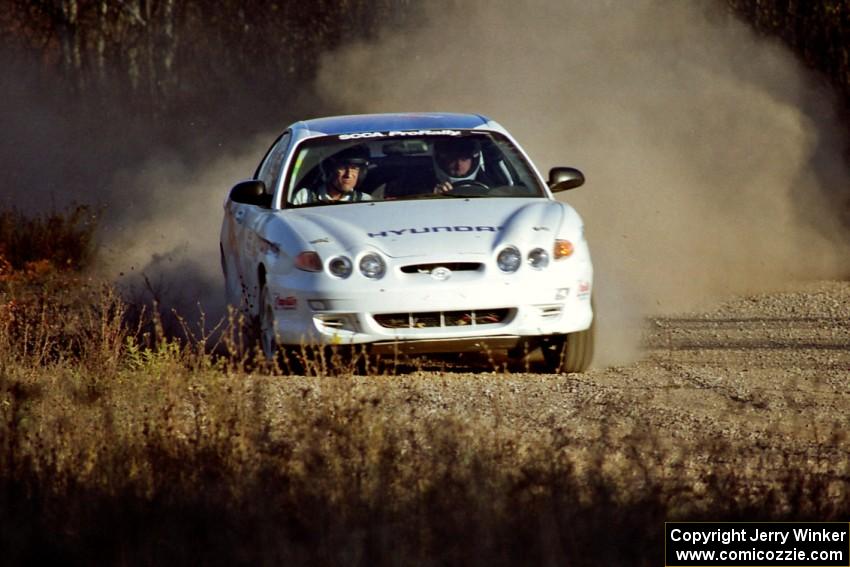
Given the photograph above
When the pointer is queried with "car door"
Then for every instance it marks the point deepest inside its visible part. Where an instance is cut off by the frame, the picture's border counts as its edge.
(241, 247)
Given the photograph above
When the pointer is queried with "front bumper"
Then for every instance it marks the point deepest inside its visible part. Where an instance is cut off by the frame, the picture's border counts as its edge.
(414, 313)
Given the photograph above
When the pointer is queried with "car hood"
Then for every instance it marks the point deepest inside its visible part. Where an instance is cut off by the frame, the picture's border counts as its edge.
(426, 227)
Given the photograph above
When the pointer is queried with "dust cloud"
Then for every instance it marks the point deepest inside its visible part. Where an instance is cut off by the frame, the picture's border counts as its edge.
(714, 161)
(163, 248)
(159, 204)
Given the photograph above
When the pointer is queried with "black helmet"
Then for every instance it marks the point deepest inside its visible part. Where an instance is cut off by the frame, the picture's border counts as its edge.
(355, 155)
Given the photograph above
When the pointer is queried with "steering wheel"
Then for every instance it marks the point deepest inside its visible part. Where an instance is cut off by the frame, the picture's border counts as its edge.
(470, 187)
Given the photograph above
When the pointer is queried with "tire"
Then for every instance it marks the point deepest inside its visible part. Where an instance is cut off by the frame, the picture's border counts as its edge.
(266, 329)
(279, 358)
(572, 352)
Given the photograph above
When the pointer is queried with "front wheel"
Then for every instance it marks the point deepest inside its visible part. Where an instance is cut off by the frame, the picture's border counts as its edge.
(572, 352)
(267, 333)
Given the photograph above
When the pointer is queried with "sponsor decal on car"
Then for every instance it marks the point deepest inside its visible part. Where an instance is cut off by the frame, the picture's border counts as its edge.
(433, 229)
(396, 133)
(286, 303)
(583, 289)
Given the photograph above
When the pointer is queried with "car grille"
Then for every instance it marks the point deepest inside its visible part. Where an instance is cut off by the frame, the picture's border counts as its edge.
(453, 266)
(431, 319)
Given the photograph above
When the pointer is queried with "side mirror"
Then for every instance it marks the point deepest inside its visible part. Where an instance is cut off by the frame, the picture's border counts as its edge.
(251, 192)
(563, 178)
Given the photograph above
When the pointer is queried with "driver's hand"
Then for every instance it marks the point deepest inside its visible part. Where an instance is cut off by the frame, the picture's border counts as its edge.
(443, 187)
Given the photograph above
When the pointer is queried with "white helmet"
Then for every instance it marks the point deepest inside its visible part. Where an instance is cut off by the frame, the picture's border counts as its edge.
(446, 150)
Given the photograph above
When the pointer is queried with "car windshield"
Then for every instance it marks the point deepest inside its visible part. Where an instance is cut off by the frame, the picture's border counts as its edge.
(380, 166)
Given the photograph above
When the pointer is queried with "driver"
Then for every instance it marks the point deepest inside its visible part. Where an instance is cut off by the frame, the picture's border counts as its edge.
(344, 173)
(456, 161)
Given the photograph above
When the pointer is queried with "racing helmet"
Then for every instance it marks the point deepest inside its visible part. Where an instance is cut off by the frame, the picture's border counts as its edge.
(445, 150)
(354, 155)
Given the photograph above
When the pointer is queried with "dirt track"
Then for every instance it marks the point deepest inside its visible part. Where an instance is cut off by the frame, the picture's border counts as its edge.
(768, 374)
(753, 391)
(758, 370)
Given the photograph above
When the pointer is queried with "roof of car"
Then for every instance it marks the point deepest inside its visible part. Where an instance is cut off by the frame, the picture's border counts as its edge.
(383, 122)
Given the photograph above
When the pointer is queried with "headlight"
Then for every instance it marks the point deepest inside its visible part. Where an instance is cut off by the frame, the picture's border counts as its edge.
(308, 261)
(340, 267)
(538, 258)
(372, 266)
(563, 249)
(509, 259)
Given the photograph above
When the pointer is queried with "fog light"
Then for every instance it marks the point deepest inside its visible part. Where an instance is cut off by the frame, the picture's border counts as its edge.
(340, 267)
(372, 266)
(509, 259)
(317, 305)
(538, 258)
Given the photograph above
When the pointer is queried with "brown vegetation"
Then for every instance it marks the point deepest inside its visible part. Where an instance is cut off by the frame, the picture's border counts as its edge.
(62, 240)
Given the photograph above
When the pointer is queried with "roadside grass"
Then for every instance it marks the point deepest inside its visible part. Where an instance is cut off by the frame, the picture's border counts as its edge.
(119, 446)
(154, 462)
(63, 240)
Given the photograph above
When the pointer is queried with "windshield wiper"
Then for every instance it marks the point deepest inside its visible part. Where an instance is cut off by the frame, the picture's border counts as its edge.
(414, 197)
(462, 195)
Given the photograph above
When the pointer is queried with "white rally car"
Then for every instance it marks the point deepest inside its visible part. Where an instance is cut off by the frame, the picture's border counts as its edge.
(409, 233)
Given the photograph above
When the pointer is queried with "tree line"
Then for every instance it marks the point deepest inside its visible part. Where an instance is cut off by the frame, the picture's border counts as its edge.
(160, 54)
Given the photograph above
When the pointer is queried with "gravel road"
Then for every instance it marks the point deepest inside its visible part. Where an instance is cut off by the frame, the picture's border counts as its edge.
(765, 375)
(736, 398)
(765, 370)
